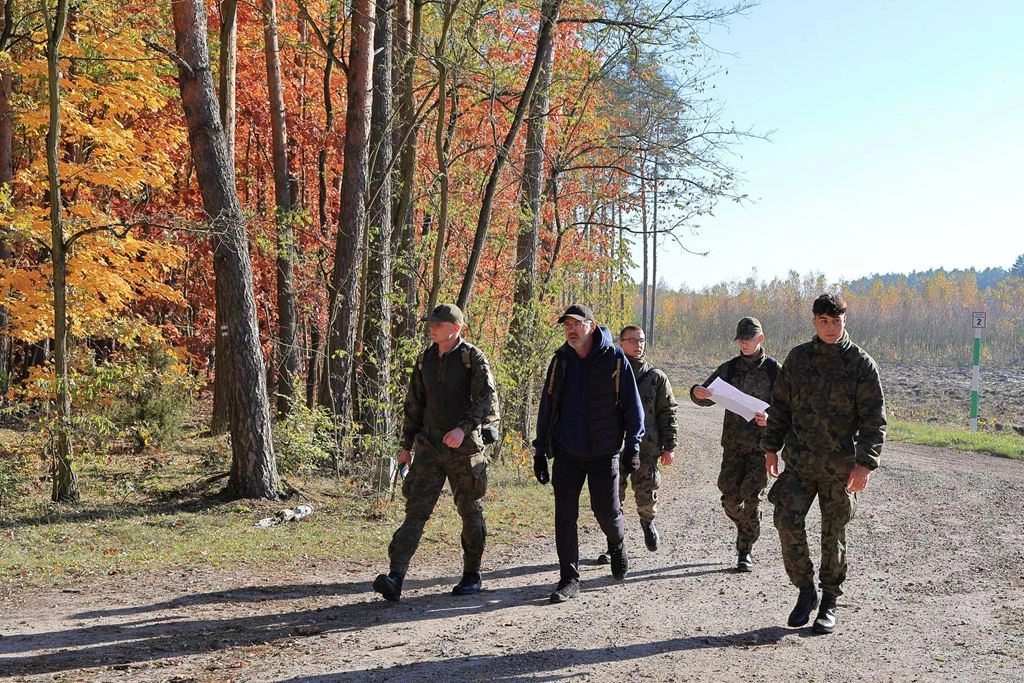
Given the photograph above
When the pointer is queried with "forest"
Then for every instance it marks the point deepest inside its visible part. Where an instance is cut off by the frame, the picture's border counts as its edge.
(254, 205)
(921, 318)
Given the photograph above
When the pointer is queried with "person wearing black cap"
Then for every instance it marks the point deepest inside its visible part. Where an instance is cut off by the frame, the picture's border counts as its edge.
(451, 408)
(742, 479)
(589, 413)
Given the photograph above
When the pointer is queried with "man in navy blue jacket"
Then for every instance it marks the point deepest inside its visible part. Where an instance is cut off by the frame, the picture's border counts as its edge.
(590, 411)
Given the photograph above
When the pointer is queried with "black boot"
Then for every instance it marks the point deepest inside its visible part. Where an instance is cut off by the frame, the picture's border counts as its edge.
(389, 585)
(651, 538)
(620, 563)
(826, 621)
(745, 563)
(470, 584)
(805, 604)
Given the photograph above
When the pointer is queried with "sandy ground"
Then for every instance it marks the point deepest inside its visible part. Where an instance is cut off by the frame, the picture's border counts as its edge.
(935, 593)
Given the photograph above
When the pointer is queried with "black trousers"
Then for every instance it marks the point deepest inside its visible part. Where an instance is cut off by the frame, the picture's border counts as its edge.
(567, 477)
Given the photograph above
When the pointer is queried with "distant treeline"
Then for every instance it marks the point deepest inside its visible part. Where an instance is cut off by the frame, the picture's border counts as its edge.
(989, 277)
(922, 318)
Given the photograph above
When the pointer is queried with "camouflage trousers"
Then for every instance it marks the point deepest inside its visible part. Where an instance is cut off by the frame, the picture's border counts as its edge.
(793, 494)
(645, 482)
(742, 481)
(467, 475)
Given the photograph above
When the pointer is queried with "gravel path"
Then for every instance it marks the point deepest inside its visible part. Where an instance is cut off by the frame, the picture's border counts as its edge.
(936, 593)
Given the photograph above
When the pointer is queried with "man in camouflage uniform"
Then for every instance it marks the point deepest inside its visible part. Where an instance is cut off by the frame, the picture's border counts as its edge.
(451, 409)
(828, 413)
(659, 440)
(742, 479)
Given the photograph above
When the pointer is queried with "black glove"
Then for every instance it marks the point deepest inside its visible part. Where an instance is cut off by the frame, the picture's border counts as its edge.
(540, 468)
(629, 463)
(489, 434)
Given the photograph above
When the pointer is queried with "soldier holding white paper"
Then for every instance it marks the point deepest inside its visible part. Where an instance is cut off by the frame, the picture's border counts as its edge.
(743, 479)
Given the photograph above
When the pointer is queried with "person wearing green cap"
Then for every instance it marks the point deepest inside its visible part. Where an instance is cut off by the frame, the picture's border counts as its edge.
(451, 412)
(742, 479)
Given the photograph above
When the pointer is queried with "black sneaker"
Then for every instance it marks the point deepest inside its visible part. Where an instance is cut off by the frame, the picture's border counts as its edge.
(604, 558)
(567, 590)
(389, 585)
(651, 538)
(620, 563)
(470, 584)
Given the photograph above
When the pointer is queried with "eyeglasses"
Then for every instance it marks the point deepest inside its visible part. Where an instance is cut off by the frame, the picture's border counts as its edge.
(574, 324)
(634, 340)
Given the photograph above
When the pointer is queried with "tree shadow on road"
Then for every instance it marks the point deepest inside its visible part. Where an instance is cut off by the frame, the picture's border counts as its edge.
(525, 666)
(171, 628)
(167, 629)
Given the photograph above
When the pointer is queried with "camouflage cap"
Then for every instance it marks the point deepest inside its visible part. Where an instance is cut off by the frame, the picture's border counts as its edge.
(447, 313)
(580, 312)
(747, 328)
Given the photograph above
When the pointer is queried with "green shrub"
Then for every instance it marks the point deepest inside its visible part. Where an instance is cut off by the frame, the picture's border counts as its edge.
(303, 440)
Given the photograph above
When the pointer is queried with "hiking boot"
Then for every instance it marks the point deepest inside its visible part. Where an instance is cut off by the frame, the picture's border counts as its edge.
(826, 621)
(745, 563)
(604, 558)
(651, 538)
(620, 563)
(805, 604)
(470, 584)
(567, 590)
(389, 585)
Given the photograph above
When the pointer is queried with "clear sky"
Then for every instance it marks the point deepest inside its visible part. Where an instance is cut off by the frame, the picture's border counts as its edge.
(896, 141)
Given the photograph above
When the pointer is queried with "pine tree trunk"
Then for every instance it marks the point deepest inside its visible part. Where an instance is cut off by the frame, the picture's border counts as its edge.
(336, 391)
(375, 408)
(253, 467)
(288, 351)
(407, 45)
(220, 421)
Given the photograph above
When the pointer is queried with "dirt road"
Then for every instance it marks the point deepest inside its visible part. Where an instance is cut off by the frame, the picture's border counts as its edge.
(936, 593)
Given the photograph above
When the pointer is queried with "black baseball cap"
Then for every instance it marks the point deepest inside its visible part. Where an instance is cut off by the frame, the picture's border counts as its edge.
(579, 311)
(447, 313)
(747, 328)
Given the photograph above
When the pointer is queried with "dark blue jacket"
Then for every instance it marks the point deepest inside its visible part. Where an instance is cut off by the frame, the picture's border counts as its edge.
(600, 401)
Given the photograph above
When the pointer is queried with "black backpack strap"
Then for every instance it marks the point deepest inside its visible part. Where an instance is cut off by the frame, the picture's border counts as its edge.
(730, 369)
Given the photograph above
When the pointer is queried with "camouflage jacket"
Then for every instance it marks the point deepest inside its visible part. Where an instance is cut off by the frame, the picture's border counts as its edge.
(449, 391)
(827, 403)
(660, 426)
(753, 376)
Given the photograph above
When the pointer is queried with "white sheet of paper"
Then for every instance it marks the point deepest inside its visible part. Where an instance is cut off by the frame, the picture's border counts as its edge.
(731, 398)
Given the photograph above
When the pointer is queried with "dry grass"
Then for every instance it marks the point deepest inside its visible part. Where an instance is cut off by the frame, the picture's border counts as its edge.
(151, 513)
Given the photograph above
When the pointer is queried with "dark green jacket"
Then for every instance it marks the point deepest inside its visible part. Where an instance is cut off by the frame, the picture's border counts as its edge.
(660, 425)
(752, 377)
(827, 404)
(445, 392)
